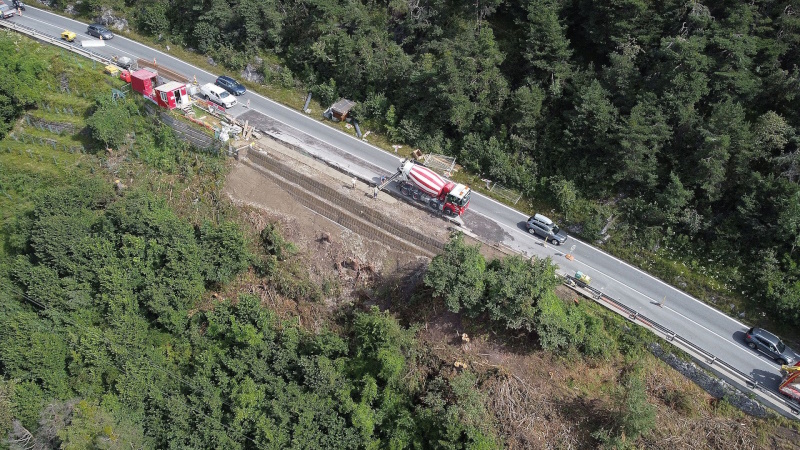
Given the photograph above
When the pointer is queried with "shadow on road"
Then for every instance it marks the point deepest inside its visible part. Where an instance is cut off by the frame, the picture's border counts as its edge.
(739, 337)
(766, 378)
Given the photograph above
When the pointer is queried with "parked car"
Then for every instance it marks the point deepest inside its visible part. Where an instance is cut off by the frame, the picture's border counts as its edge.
(5, 11)
(544, 227)
(771, 345)
(230, 85)
(99, 31)
(217, 95)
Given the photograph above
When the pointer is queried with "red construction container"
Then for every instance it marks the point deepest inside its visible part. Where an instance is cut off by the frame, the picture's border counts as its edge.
(144, 81)
(171, 95)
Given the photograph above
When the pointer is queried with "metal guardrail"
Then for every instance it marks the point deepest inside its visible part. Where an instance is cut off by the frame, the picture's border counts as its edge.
(671, 336)
(597, 295)
(55, 40)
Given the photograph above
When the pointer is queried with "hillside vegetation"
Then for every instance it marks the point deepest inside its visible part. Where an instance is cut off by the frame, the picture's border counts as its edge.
(675, 121)
(131, 316)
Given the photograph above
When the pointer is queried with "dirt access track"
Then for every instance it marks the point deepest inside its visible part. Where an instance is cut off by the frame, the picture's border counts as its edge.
(333, 224)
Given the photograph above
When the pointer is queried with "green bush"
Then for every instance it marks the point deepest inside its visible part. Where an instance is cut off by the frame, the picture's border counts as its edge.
(113, 121)
(458, 275)
(224, 251)
(274, 244)
(554, 326)
(152, 19)
(515, 286)
(597, 342)
(637, 416)
(633, 415)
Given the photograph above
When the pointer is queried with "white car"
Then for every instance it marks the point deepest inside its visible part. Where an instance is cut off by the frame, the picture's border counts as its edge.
(6, 11)
(216, 94)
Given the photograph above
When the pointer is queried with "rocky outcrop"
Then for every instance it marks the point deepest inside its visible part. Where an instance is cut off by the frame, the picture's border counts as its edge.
(110, 21)
(252, 72)
(716, 387)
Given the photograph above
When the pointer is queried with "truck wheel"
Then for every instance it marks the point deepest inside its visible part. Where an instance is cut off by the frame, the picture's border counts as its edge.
(433, 204)
(415, 195)
(405, 190)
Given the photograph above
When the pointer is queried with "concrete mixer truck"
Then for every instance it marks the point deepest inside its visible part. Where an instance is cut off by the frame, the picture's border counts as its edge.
(423, 184)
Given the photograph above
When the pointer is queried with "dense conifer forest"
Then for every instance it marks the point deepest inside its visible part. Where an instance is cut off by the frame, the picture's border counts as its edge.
(677, 120)
(672, 124)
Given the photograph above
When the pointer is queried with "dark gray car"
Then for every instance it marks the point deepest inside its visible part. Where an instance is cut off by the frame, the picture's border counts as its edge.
(99, 31)
(544, 227)
(771, 345)
(230, 85)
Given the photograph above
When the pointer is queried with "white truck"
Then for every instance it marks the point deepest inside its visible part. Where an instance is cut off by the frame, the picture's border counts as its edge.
(216, 94)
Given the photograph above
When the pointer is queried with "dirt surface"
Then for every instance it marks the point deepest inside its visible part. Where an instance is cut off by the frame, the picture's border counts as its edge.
(539, 400)
(328, 250)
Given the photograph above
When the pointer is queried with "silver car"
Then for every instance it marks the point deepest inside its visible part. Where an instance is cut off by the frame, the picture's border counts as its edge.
(544, 227)
(771, 345)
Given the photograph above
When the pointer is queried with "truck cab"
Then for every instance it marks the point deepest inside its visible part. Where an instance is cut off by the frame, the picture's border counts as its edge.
(457, 199)
(216, 94)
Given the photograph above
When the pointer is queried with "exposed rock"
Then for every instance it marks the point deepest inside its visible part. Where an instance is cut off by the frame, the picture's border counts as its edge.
(69, 9)
(109, 20)
(716, 387)
(575, 228)
(352, 263)
(211, 61)
(253, 74)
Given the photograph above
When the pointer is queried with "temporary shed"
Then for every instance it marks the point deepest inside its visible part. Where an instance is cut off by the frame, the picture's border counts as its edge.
(171, 95)
(144, 81)
(341, 108)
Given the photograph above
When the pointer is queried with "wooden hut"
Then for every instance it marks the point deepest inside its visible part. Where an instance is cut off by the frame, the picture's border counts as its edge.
(341, 108)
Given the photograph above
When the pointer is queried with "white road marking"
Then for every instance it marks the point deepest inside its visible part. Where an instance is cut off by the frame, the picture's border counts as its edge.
(596, 270)
(292, 111)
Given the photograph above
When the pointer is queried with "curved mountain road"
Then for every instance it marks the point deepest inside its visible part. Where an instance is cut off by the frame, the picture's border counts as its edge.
(706, 327)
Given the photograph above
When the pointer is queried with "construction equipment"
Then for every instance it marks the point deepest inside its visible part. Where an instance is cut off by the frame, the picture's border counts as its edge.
(123, 62)
(582, 278)
(423, 184)
(790, 385)
(68, 36)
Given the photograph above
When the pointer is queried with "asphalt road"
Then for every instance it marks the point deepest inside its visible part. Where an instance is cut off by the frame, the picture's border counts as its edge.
(699, 323)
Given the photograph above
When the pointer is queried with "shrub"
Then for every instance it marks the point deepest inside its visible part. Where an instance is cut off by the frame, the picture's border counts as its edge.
(112, 121)
(458, 275)
(553, 325)
(224, 251)
(274, 244)
(514, 288)
(637, 415)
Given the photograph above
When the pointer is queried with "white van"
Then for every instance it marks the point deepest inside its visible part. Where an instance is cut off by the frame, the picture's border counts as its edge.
(216, 94)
